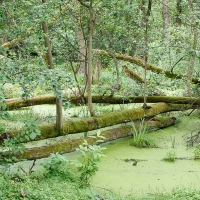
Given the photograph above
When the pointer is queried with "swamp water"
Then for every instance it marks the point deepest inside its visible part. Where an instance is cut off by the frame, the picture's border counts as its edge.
(151, 174)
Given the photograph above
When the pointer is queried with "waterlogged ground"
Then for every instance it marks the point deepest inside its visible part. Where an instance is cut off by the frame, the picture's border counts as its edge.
(151, 174)
(46, 114)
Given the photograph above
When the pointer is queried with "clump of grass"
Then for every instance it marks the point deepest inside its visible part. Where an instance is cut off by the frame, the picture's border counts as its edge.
(22, 115)
(12, 91)
(139, 139)
(197, 152)
(170, 157)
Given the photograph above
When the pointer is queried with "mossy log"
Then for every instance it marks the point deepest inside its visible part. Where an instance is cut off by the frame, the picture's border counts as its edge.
(39, 100)
(16, 40)
(109, 135)
(140, 62)
(133, 75)
(100, 121)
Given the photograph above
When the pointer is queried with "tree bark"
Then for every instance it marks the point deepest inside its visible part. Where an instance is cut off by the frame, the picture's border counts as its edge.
(194, 46)
(81, 40)
(48, 57)
(179, 12)
(145, 53)
(165, 14)
(82, 48)
(89, 60)
(59, 121)
(98, 69)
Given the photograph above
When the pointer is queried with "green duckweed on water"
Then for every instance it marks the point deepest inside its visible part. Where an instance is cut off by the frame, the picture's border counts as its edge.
(151, 173)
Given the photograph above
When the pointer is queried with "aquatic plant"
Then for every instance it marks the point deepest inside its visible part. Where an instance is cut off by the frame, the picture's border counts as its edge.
(170, 156)
(139, 139)
(197, 152)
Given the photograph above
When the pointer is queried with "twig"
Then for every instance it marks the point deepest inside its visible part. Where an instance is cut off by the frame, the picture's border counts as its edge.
(30, 168)
(176, 64)
(24, 171)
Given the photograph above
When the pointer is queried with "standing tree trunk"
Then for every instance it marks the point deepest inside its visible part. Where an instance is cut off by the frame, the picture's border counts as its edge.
(98, 69)
(49, 61)
(166, 24)
(48, 57)
(59, 115)
(194, 46)
(145, 20)
(179, 11)
(165, 14)
(89, 71)
(82, 48)
(89, 58)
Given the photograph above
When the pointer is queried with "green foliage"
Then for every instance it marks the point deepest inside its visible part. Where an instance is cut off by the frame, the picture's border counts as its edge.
(15, 145)
(87, 167)
(197, 152)
(12, 91)
(19, 116)
(170, 157)
(36, 186)
(80, 170)
(58, 166)
(175, 194)
(3, 113)
(139, 139)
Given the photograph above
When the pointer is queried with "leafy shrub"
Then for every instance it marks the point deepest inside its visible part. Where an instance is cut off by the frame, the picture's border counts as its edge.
(80, 170)
(58, 165)
(87, 167)
(62, 178)
(15, 145)
(170, 157)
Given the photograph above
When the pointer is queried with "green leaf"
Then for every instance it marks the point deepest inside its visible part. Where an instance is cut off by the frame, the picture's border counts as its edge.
(32, 135)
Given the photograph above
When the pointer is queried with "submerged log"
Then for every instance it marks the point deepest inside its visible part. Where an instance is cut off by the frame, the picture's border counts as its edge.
(100, 121)
(109, 135)
(39, 100)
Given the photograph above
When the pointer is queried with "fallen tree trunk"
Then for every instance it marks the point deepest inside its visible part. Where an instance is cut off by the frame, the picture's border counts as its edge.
(102, 99)
(141, 63)
(109, 135)
(100, 121)
(133, 75)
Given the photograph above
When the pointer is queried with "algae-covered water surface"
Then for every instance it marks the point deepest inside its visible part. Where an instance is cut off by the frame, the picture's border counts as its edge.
(119, 172)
